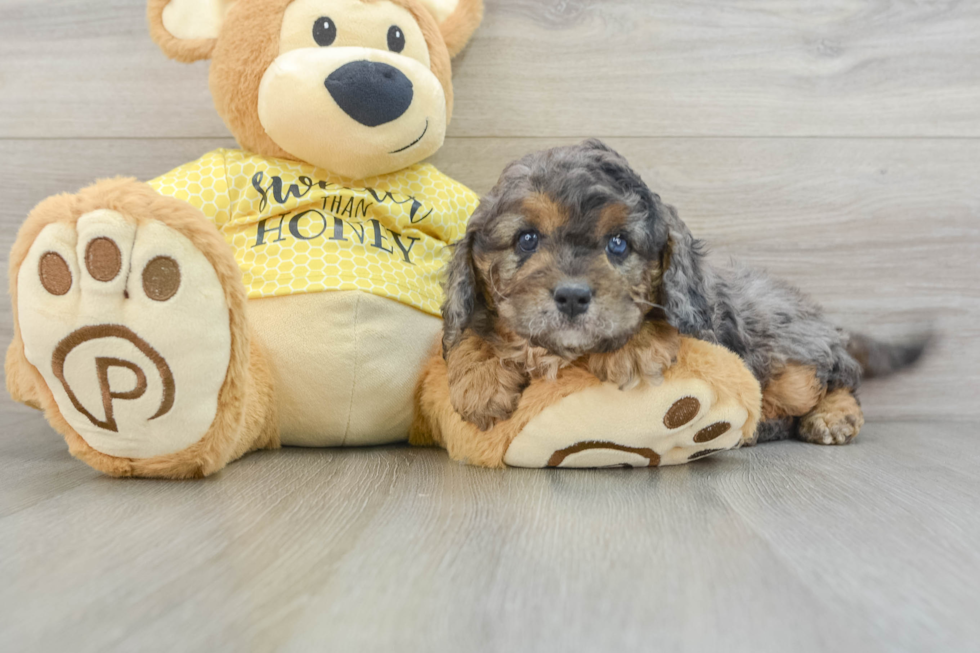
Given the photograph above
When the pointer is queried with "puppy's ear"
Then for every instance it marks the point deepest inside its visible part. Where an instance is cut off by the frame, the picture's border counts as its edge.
(460, 303)
(682, 286)
(457, 20)
(186, 30)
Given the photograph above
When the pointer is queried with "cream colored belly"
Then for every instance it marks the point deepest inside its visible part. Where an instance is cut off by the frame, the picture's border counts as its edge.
(345, 365)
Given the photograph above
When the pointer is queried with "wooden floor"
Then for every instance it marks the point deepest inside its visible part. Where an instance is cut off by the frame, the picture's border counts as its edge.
(835, 143)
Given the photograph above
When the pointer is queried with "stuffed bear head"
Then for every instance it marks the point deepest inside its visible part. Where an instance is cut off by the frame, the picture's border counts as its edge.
(356, 87)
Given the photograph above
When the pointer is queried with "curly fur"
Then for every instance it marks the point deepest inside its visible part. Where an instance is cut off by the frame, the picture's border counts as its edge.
(797, 355)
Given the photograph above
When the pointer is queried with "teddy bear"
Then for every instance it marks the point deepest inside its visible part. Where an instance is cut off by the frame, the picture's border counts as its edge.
(288, 292)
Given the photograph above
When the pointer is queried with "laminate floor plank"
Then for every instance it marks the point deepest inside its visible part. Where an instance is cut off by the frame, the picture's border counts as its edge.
(781, 547)
(74, 68)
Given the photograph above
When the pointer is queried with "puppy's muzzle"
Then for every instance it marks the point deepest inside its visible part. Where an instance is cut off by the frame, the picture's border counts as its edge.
(573, 298)
(370, 92)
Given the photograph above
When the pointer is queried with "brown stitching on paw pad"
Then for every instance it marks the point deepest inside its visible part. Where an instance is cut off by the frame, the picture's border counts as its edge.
(103, 260)
(682, 412)
(703, 453)
(559, 456)
(712, 431)
(161, 278)
(102, 365)
(55, 273)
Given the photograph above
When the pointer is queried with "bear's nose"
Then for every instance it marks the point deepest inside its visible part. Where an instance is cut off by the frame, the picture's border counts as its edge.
(370, 92)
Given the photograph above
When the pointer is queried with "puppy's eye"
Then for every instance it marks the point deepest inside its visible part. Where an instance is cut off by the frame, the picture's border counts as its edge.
(396, 39)
(528, 241)
(324, 31)
(617, 246)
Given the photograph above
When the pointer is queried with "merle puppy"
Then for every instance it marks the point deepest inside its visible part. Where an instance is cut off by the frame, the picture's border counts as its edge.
(572, 260)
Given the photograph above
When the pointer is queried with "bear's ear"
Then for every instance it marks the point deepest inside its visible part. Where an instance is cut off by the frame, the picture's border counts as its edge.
(186, 30)
(457, 19)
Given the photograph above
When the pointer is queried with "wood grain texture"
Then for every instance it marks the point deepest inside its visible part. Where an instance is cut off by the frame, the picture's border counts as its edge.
(601, 68)
(870, 547)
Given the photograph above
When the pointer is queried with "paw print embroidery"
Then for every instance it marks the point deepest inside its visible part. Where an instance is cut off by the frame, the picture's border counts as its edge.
(682, 422)
(128, 324)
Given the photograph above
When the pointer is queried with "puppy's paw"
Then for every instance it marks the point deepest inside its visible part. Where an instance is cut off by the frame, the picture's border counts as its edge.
(643, 358)
(485, 418)
(837, 419)
(481, 398)
(830, 428)
(483, 389)
(626, 368)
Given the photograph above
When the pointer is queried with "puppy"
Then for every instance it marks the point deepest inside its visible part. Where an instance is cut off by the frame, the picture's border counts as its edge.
(572, 260)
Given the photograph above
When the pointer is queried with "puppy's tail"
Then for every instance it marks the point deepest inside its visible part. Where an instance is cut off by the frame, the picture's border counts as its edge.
(879, 359)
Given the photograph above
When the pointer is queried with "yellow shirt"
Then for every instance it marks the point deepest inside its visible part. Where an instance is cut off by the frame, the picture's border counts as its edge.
(295, 228)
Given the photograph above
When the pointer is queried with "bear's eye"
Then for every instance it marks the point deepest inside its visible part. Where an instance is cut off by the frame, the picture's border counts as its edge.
(396, 39)
(325, 32)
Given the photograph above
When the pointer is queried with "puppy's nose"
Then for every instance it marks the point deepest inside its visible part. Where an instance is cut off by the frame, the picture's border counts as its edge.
(573, 298)
(370, 92)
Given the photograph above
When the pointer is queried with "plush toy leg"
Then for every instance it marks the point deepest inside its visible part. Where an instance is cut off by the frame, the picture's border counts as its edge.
(709, 401)
(130, 332)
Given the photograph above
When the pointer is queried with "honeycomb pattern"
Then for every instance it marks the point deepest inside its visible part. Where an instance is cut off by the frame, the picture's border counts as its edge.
(295, 228)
